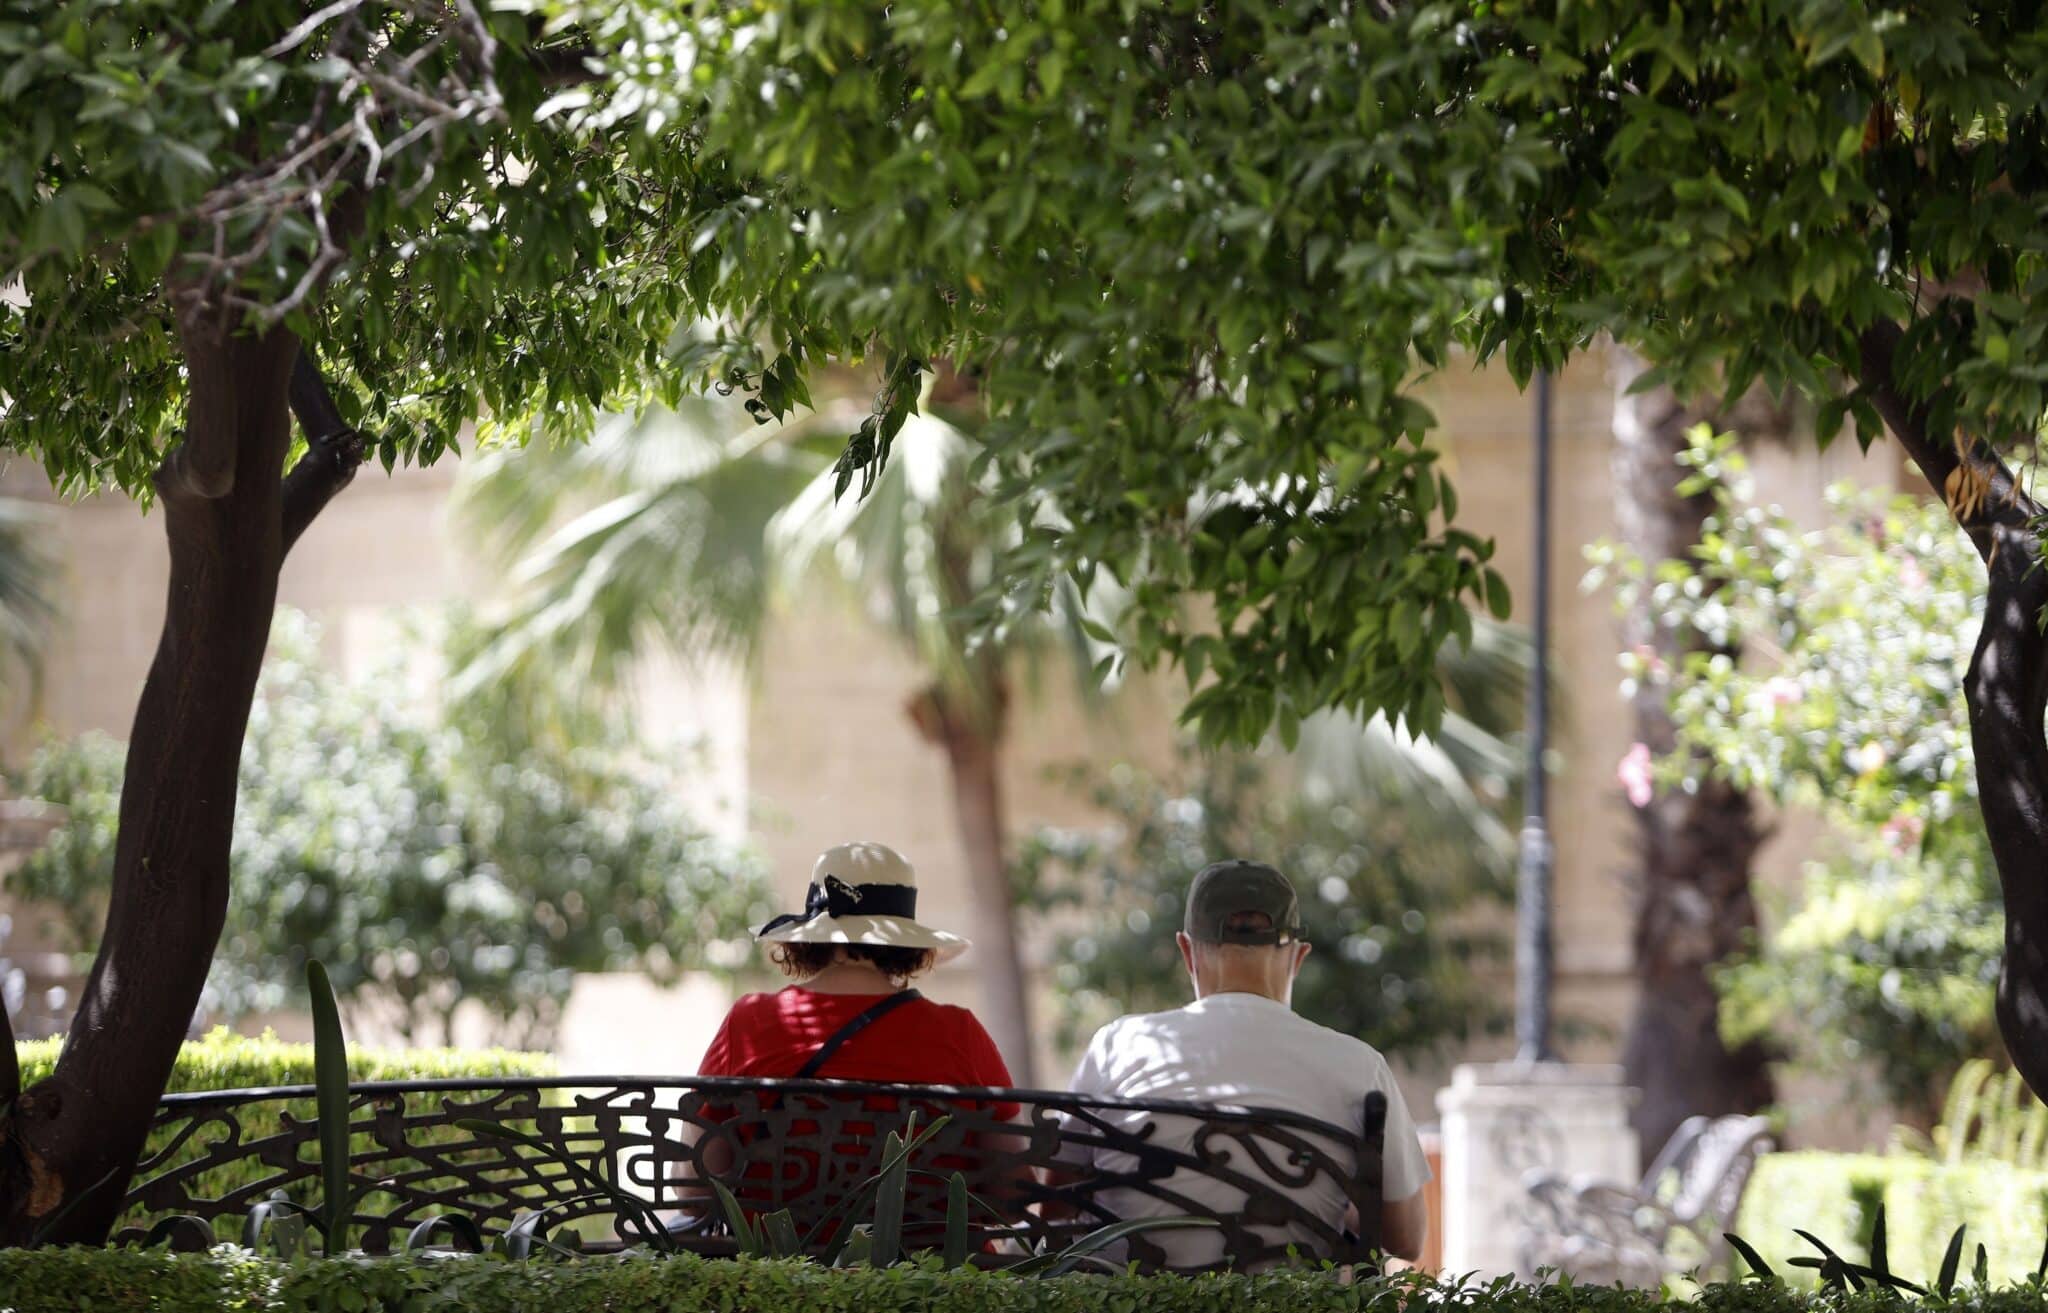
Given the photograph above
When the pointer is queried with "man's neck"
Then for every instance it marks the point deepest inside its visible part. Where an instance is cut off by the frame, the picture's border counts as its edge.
(1255, 988)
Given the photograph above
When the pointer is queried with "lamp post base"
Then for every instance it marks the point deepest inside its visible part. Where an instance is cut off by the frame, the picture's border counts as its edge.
(1502, 1120)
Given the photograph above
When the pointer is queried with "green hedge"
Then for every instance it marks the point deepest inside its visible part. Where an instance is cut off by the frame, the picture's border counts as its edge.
(1835, 1196)
(226, 1061)
(121, 1281)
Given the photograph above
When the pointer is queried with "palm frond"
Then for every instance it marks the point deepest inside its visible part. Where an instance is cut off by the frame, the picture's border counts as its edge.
(28, 605)
(669, 548)
(1462, 776)
(660, 531)
(513, 497)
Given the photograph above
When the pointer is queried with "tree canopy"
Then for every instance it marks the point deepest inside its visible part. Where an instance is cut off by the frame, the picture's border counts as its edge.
(1194, 330)
(1198, 281)
(1195, 256)
(389, 181)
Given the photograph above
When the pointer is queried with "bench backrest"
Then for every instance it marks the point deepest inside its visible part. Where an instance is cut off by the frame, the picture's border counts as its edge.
(800, 1145)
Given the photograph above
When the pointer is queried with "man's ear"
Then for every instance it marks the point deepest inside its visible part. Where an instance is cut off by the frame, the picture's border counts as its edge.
(1187, 950)
(1301, 952)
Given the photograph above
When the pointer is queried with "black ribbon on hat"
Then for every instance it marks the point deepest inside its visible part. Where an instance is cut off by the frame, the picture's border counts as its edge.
(836, 898)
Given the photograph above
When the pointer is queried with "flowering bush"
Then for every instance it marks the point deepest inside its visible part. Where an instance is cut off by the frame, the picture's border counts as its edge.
(1850, 703)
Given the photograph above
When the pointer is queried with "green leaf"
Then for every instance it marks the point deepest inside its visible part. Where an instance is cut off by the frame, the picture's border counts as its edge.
(1051, 71)
(955, 1251)
(886, 1244)
(1754, 1260)
(461, 1228)
(1066, 1260)
(1498, 603)
(331, 1095)
(750, 1240)
(778, 1235)
(1951, 1261)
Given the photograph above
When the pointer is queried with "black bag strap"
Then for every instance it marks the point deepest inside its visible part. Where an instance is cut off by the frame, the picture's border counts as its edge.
(854, 1026)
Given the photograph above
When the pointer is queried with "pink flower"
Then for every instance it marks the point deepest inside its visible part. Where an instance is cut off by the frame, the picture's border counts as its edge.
(1635, 775)
(1903, 832)
(1782, 693)
(1912, 576)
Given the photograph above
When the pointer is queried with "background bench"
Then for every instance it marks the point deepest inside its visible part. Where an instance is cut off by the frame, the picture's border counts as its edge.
(796, 1144)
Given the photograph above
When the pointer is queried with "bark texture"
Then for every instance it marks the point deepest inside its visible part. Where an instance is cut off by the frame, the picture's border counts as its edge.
(69, 1144)
(1694, 851)
(2006, 686)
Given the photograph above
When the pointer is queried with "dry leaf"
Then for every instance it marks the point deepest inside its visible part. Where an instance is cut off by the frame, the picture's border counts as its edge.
(1965, 490)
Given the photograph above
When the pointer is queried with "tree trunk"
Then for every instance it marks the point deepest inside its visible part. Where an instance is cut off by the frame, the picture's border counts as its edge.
(1694, 906)
(2006, 687)
(973, 748)
(70, 1143)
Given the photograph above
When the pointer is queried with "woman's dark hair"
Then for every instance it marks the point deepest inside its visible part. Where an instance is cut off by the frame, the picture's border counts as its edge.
(802, 961)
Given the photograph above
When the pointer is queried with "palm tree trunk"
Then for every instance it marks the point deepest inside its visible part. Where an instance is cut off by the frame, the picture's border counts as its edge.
(973, 748)
(1694, 850)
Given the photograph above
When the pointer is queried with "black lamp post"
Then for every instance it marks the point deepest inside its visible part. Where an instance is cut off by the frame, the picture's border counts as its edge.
(1534, 956)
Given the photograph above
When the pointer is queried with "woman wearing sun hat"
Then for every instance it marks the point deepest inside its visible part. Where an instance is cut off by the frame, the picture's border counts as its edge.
(851, 1013)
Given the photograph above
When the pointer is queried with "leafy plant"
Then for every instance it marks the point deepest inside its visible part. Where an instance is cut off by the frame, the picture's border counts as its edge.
(1858, 633)
(1839, 1274)
(432, 872)
(1990, 1113)
(1924, 1203)
(281, 1221)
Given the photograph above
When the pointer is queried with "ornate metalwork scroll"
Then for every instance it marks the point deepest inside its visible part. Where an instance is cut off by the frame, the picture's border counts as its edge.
(1050, 1167)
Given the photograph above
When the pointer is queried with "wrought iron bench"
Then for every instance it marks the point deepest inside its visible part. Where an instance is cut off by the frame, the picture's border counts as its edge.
(801, 1145)
(1672, 1222)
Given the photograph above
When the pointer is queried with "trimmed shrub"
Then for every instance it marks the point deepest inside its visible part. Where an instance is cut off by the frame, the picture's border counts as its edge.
(132, 1281)
(1836, 1195)
(224, 1060)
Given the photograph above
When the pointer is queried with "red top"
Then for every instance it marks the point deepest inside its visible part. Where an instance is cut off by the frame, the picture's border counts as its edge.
(921, 1043)
(771, 1036)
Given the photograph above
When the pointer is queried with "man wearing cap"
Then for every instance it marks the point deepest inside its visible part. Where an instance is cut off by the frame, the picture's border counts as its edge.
(1241, 1043)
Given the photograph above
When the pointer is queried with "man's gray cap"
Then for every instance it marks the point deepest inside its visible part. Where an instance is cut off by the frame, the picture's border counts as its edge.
(1225, 890)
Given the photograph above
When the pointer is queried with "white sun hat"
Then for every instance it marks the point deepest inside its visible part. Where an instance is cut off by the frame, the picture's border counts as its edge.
(861, 893)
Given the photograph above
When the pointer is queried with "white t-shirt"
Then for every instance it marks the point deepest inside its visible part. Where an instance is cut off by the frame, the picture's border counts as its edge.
(1252, 1052)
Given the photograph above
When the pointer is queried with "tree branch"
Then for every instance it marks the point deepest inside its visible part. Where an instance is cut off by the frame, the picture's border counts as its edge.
(202, 465)
(1991, 498)
(334, 451)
